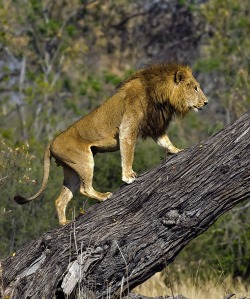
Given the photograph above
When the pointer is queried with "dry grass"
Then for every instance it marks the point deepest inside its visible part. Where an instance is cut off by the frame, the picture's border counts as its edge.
(193, 288)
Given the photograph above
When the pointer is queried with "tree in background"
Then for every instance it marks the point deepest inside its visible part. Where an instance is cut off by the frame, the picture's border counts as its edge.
(225, 54)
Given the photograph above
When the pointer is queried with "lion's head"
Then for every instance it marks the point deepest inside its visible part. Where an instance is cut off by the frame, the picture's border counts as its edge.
(186, 92)
(169, 90)
(174, 84)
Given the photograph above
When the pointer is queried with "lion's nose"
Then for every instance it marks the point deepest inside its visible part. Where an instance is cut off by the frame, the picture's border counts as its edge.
(205, 103)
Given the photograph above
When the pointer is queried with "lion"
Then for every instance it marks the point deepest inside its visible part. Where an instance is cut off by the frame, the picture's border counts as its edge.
(143, 107)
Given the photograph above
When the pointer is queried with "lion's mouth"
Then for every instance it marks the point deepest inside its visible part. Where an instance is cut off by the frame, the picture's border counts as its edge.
(197, 108)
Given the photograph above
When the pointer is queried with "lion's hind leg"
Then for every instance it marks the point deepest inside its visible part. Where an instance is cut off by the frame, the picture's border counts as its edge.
(92, 193)
(71, 184)
(85, 169)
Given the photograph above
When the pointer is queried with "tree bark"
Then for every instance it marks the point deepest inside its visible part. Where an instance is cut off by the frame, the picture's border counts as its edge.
(120, 243)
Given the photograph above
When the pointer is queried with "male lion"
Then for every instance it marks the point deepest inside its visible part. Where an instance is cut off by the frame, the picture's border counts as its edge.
(143, 107)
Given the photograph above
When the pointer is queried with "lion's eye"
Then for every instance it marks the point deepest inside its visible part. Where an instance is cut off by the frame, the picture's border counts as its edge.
(196, 89)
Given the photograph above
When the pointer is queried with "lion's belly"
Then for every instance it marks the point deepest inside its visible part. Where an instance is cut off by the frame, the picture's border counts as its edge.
(106, 145)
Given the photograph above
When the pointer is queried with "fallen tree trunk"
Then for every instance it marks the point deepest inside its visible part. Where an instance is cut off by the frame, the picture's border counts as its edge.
(120, 243)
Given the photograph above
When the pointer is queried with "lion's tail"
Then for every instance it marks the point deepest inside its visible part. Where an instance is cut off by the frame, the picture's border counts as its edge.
(47, 156)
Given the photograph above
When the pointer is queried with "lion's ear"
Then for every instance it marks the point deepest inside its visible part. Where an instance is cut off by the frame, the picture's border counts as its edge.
(179, 76)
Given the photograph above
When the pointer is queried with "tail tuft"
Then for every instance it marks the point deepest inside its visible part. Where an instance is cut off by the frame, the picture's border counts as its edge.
(20, 200)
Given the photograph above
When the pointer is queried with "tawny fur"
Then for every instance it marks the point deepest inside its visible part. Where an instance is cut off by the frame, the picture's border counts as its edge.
(143, 107)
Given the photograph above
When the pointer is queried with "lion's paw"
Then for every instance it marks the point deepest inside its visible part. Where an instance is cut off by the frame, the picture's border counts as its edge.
(64, 222)
(174, 150)
(129, 178)
(107, 195)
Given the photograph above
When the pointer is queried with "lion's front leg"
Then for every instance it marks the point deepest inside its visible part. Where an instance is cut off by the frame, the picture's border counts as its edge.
(165, 142)
(127, 157)
(127, 137)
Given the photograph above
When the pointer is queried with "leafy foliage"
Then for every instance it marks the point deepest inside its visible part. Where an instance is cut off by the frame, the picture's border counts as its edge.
(226, 54)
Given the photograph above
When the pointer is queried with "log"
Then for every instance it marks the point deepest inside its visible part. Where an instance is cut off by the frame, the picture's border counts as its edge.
(120, 243)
